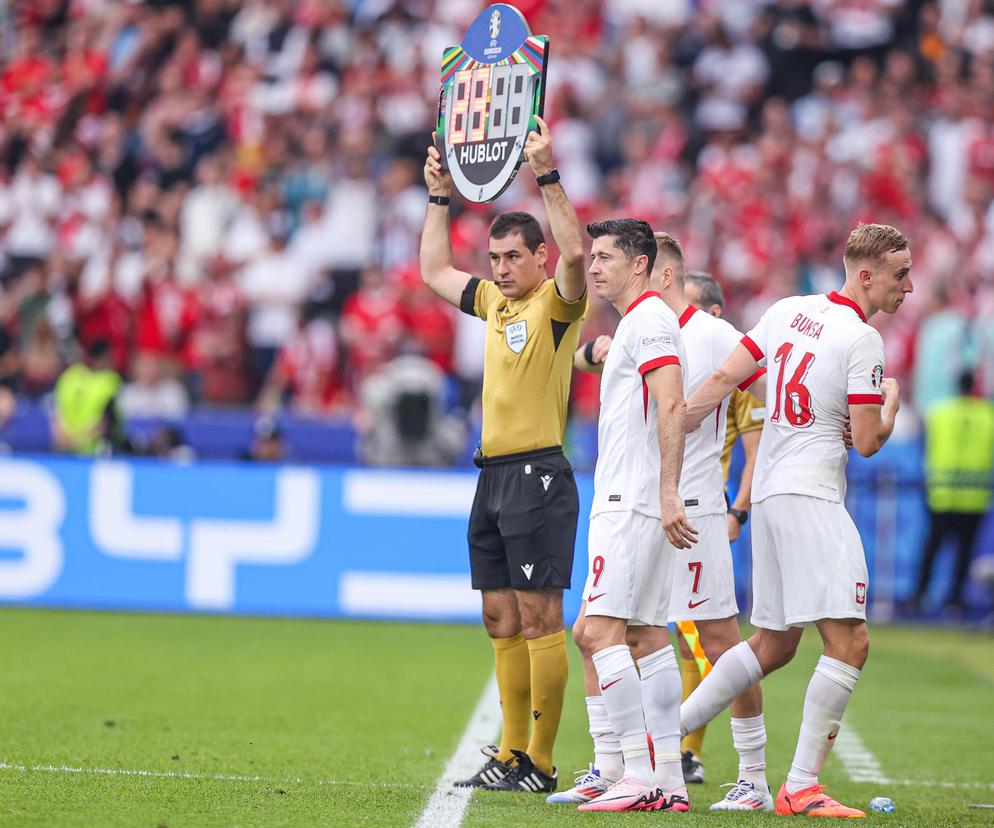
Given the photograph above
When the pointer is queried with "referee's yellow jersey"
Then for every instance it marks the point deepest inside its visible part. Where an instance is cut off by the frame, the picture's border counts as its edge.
(746, 412)
(527, 366)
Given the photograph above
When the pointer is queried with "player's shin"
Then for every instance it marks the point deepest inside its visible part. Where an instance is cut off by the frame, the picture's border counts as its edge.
(549, 672)
(661, 702)
(825, 704)
(690, 676)
(513, 670)
(622, 693)
(607, 748)
(749, 739)
(732, 673)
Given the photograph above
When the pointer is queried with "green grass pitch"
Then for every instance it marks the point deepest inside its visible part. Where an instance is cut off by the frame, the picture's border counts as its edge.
(137, 720)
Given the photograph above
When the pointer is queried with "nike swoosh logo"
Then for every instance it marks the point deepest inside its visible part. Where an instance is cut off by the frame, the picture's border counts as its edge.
(832, 736)
(695, 605)
(593, 598)
(605, 686)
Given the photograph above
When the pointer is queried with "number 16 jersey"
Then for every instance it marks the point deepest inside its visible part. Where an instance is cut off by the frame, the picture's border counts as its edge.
(821, 357)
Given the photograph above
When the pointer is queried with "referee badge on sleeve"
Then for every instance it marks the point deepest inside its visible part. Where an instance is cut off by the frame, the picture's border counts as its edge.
(516, 334)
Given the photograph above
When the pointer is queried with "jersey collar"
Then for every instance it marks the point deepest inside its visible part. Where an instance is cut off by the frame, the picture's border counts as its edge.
(642, 298)
(685, 316)
(839, 299)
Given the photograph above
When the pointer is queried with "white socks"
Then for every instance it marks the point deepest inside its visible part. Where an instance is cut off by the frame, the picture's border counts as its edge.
(607, 748)
(749, 738)
(622, 693)
(824, 706)
(661, 690)
(732, 673)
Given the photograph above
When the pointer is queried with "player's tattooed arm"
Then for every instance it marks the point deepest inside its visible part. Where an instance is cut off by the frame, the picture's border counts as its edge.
(437, 270)
(665, 384)
(571, 276)
(872, 424)
(590, 356)
(739, 366)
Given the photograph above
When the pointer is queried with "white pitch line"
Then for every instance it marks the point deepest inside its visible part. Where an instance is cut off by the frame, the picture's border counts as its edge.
(859, 762)
(447, 805)
(216, 777)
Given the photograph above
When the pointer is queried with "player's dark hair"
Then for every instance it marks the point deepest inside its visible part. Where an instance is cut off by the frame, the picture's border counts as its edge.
(632, 236)
(517, 222)
(710, 290)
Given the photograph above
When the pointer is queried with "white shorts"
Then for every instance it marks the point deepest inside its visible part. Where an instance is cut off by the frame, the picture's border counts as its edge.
(629, 569)
(807, 562)
(703, 578)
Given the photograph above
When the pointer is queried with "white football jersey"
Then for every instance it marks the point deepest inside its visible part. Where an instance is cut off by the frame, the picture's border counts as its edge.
(821, 357)
(626, 477)
(708, 342)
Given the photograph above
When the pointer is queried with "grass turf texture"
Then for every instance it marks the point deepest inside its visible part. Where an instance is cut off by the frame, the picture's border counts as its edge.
(351, 724)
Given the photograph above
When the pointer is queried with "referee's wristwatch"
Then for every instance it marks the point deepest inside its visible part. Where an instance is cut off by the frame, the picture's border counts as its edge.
(741, 515)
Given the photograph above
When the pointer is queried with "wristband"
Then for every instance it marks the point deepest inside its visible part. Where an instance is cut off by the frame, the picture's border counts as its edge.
(741, 515)
(441, 201)
(588, 352)
(551, 177)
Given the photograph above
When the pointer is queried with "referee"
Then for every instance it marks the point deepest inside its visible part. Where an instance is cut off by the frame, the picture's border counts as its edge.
(523, 524)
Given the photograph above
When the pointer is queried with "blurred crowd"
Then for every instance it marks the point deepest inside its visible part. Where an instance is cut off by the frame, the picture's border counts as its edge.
(225, 194)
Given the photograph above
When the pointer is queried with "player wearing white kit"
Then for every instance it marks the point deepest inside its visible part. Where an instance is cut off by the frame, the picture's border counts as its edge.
(703, 583)
(826, 366)
(640, 449)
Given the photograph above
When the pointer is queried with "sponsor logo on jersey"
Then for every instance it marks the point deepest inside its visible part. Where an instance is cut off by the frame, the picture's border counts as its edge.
(527, 569)
(546, 480)
(696, 604)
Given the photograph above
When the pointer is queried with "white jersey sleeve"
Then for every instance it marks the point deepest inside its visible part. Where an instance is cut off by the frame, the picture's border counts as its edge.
(866, 370)
(654, 348)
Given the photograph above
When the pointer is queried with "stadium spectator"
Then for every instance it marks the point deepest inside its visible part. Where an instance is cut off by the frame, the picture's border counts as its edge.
(372, 325)
(307, 374)
(152, 393)
(267, 444)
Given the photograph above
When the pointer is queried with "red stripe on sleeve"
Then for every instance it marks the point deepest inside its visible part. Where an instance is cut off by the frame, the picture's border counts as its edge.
(865, 399)
(744, 385)
(753, 348)
(658, 362)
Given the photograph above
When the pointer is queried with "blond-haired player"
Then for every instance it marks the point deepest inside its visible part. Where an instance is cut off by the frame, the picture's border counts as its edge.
(826, 367)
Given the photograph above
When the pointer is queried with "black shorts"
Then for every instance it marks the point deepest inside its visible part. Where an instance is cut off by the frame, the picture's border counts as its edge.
(523, 525)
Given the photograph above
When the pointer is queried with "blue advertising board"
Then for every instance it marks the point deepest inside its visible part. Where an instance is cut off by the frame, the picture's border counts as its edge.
(241, 538)
(346, 542)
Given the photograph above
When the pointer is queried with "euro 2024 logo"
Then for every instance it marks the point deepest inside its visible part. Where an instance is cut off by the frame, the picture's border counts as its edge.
(494, 24)
(877, 376)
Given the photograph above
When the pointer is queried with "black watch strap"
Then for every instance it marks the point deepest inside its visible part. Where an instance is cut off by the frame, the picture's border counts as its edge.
(551, 177)
(741, 515)
(442, 201)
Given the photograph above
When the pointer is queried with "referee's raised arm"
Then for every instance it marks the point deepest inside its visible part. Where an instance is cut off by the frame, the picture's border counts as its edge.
(570, 274)
(437, 270)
